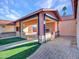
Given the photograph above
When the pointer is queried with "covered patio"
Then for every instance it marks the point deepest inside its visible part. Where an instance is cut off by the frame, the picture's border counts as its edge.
(42, 25)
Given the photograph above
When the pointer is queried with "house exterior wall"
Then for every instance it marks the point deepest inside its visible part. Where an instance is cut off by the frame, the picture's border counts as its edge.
(9, 28)
(78, 25)
(67, 28)
(1, 29)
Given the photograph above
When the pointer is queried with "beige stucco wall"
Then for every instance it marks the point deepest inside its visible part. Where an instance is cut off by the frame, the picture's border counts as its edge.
(9, 28)
(1, 29)
(67, 28)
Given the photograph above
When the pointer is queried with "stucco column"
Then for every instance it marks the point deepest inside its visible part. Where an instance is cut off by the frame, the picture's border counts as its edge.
(21, 32)
(17, 27)
(78, 25)
(41, 28)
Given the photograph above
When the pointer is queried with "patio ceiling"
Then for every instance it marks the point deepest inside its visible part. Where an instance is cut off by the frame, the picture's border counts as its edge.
(34, 21)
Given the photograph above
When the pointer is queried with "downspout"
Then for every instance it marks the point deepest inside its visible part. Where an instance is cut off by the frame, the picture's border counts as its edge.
(38, 29)
(58, 29)
(45, 28)
(20, 28)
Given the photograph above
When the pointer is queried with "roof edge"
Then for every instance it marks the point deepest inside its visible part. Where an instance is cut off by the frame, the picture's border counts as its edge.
(36, 12)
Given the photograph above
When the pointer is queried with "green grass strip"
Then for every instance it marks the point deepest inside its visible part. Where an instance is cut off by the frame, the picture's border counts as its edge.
(19, 52)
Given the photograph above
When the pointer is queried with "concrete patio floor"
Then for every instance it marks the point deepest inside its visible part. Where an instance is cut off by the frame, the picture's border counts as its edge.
(60, 48)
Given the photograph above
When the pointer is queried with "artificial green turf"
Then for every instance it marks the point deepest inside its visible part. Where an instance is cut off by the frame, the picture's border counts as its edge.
(19, 52)
(10, 40)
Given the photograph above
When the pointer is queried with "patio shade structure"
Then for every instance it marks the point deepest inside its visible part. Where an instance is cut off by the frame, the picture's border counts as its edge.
(41, 16)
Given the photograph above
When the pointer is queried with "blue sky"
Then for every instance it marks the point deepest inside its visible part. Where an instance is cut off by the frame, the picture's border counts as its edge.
(15, 9)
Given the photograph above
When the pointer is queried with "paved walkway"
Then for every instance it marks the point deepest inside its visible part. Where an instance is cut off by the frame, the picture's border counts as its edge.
(7, 37)
(57, 49)
(11, 45)
(4, 35)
